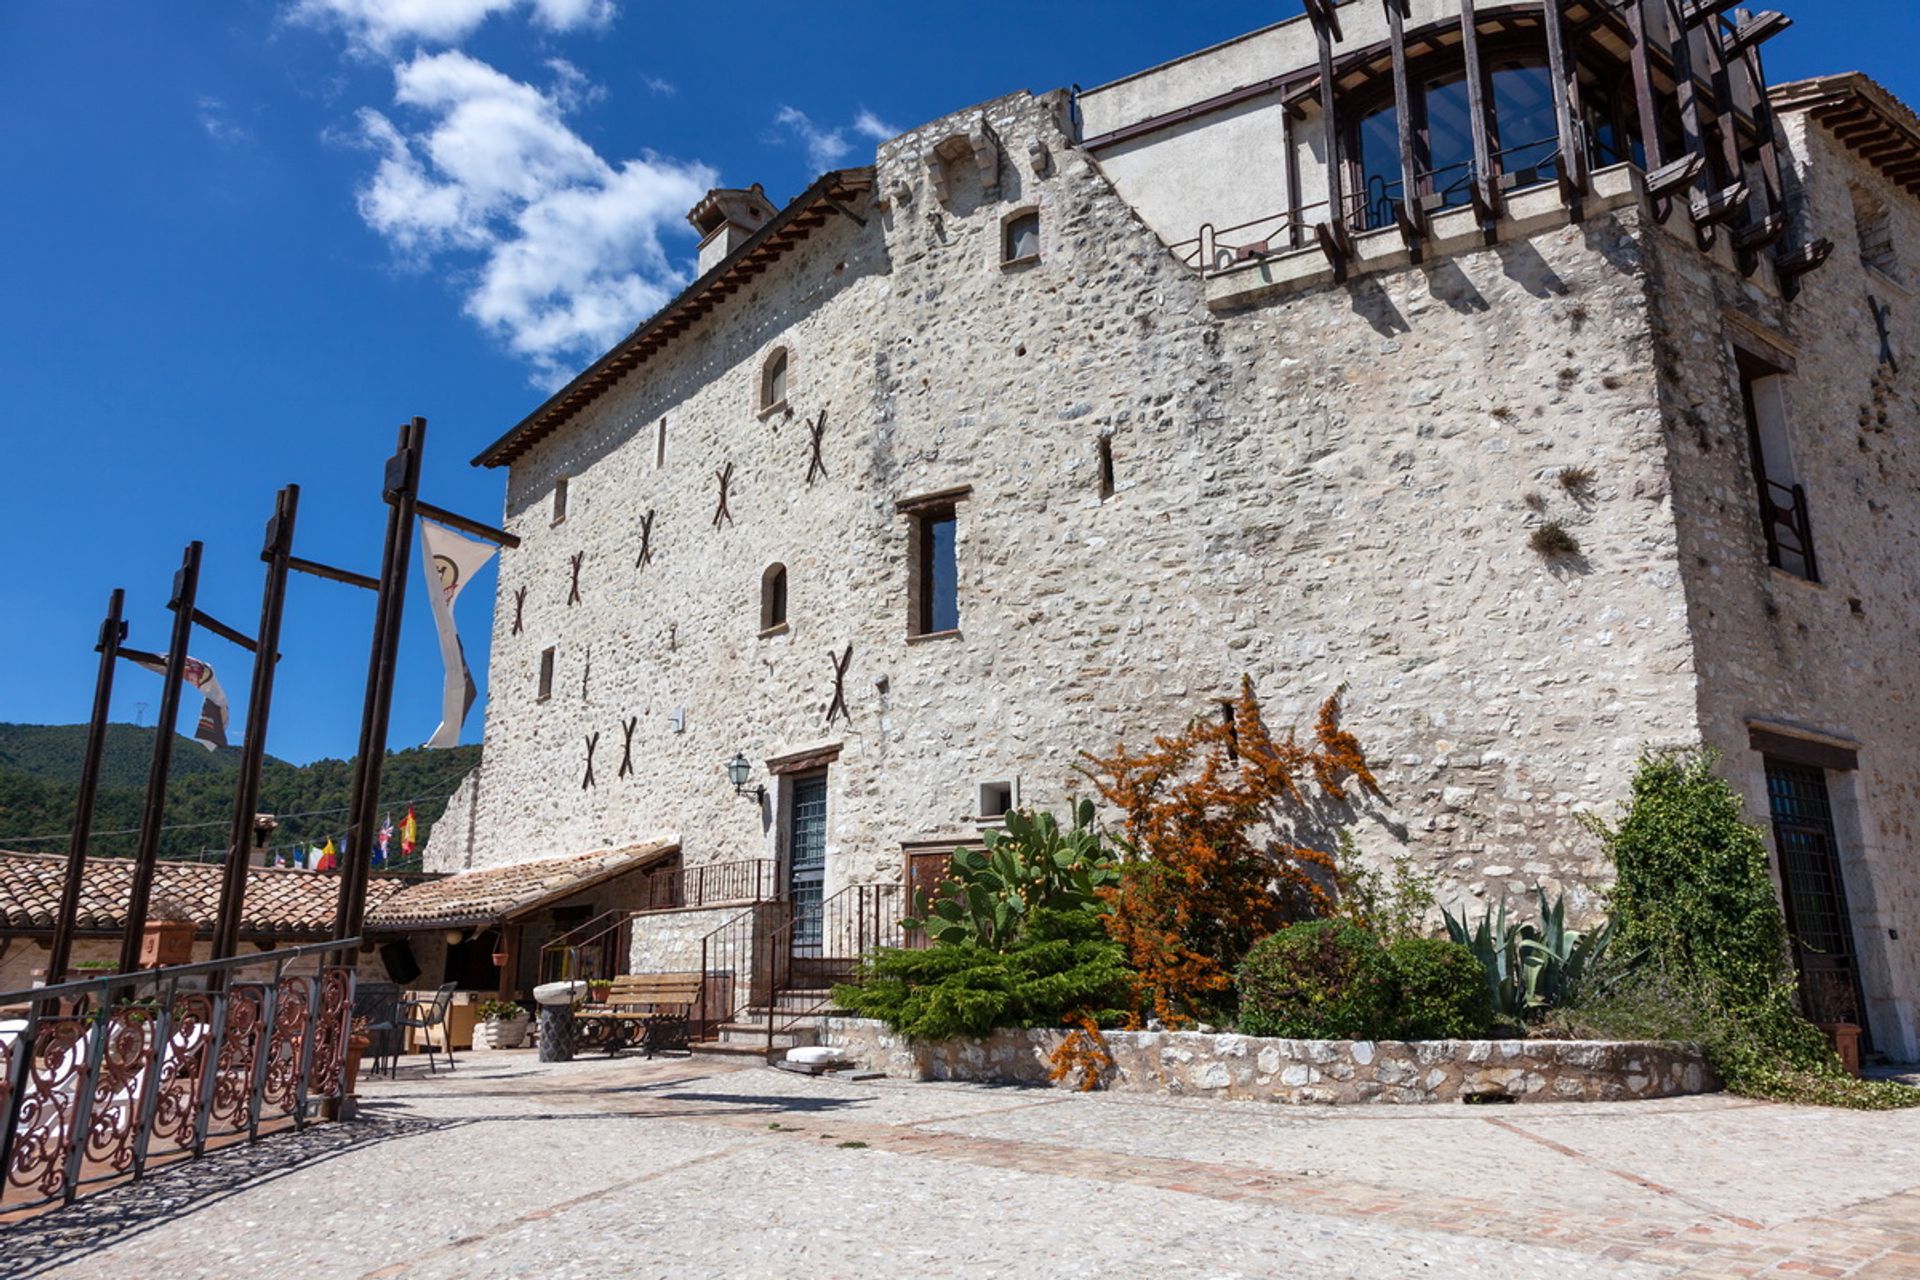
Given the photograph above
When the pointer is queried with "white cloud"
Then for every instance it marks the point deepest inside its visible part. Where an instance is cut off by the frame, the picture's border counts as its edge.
(219, 122)
(826, 148)
(378, 26)
(563, 247)
(665, 88)
(869, 125)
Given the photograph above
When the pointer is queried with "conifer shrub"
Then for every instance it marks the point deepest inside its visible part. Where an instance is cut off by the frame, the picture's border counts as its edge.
(1061, 967)
(1319, 980)
(1696, 913)
(1439, 991)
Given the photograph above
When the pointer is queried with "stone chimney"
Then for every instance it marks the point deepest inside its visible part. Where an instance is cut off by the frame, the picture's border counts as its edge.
(725, 217)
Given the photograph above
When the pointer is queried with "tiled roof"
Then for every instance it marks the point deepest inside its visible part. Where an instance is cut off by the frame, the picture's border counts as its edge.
(282, 902)
(498, 893)
(830, 195)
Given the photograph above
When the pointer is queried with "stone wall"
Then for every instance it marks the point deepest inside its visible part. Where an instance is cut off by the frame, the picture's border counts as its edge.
(669, 941)
(1192, 1064)
(1333, 488)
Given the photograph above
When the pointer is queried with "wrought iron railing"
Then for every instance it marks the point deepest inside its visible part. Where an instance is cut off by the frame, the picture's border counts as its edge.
(592, 950)
(709, 884)
(101, 1077)
(736, 972)
(1783, 515)
(823, 945)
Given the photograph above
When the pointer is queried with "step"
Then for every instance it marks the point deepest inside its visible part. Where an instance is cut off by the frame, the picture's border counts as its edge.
(720, 1049)
(748, 1034)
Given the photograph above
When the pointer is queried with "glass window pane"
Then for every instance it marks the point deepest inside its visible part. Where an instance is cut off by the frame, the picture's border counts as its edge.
(1023, 237)
(1449, 140)
(943, 597)
(1529, 130)
(1380, 184)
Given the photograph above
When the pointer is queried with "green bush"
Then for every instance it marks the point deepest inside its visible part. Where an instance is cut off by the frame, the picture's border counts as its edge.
(1696, 910)
(1062, 964)
(1030, 866)
(1439, 991)
(1318, 980)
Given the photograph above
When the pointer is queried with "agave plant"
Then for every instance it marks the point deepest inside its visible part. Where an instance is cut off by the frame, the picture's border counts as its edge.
(1030, 865)
(1530, 967)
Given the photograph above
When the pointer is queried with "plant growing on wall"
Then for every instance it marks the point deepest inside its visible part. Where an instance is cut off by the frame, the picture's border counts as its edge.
(1695, 909)
(1210, 864)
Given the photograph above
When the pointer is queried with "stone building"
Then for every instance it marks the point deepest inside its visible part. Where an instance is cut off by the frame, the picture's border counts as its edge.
(1070, 409)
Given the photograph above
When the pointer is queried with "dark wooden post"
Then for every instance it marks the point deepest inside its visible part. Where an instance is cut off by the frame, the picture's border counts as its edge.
(112, 632)
(1332, 233)
(1485, 200)
(1565, 74)
(401, 490)
(1413, 220)
(1646, 106)
(186, 587)
(1724, 122)
(1681, 50)
(266, 657)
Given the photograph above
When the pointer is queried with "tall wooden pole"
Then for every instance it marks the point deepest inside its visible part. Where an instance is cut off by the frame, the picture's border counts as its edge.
(1646, 108)
(401, 490)
(1483, 187)
(186, 587)
(112, 632)
(266, 657)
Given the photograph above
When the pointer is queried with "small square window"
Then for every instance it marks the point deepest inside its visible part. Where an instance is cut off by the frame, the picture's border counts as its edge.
(1021, 238)
(997, 799)
(559, 499)
(546, 673)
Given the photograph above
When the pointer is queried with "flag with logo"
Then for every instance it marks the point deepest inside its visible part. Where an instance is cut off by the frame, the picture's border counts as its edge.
(385, 839)
(450, 563)
(328, 859)
(211, 731)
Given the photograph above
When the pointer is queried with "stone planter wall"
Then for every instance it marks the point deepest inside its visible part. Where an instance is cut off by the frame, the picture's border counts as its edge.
(1191, 1064)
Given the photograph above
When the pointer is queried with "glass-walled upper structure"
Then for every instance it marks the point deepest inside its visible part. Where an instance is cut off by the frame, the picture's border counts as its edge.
(1375, 114)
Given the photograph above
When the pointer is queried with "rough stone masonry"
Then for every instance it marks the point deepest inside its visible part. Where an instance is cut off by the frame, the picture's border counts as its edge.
(1164, 479)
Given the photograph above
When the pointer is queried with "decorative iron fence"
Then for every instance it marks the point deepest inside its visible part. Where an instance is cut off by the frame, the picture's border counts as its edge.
(709, 884)
(103, 1076)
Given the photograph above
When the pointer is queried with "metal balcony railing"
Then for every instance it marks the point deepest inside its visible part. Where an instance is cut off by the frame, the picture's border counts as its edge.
(102, 1077)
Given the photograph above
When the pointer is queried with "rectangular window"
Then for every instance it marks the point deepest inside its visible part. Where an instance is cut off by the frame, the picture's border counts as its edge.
(660, 445)
(559, 499)
(1783, 502)
(546, 673)
(1106, 467)
(936, 572)
(1021, 238)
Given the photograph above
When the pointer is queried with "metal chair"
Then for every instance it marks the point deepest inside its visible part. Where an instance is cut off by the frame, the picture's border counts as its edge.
(429, 1015)
(379, 1004)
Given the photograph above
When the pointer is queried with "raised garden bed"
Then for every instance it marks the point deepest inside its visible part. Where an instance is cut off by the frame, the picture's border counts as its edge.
(1195, 1064)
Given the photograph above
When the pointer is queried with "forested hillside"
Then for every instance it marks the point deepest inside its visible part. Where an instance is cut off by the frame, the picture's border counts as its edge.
(39, 774)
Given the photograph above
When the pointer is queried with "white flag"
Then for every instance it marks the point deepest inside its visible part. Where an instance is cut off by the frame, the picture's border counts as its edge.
(211, 731)
(450, 563)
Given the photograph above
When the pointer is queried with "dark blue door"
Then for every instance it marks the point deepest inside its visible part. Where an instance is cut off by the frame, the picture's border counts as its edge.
(807, 861)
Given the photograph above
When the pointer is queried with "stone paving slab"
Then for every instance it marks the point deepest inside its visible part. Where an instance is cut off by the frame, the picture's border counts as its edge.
(632, 1168)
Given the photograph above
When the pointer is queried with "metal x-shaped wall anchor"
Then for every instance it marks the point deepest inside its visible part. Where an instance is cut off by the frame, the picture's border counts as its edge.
(593, 740)
(573, 591)
(626, 748)
(838, 707)
(646, 541)
(519, 609)
(1882, 314)
(817, 466)
(725, 476)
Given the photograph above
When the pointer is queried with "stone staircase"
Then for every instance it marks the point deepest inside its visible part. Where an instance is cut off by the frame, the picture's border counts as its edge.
(797, 1012)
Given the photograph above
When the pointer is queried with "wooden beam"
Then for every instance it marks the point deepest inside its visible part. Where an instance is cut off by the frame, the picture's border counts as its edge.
(1646, 107)
(1412, 218)
(1325, 23)
(1484, 196)
(1565, 75)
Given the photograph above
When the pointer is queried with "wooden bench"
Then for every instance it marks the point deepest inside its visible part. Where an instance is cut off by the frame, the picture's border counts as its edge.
(650, 1010)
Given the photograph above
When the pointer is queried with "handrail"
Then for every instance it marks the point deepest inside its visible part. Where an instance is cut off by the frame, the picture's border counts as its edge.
(851, 924)
(94, 1084)
(727, 954)
(572, 954)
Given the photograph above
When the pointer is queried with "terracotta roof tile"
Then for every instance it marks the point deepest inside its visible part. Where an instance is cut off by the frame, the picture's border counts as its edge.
(496, 893)
(282, 902)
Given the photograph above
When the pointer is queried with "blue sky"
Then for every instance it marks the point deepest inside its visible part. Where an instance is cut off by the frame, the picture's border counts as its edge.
(245, 240)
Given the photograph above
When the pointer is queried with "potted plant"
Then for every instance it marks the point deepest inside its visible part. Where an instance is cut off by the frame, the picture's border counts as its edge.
(503, 1025)
(597, 992)
(357, 1042)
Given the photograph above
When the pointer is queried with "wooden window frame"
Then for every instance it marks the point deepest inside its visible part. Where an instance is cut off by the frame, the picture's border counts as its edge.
(922, 512)
(782, 358)
(1007, 257)
(775, 601)
(561, 494)
(543, 688)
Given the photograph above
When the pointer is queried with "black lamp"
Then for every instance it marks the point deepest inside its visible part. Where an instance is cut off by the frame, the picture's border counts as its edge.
(738, 771)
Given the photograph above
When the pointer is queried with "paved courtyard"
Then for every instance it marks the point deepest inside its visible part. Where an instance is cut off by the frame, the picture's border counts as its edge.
(604, 1168)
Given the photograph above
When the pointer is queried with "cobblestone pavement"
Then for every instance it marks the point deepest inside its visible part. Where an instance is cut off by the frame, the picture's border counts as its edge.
(603, 1168)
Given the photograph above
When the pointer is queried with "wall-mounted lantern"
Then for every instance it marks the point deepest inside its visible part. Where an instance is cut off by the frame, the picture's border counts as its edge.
(739, 769)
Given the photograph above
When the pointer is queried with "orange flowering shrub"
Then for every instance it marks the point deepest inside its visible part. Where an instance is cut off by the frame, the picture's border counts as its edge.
(1211, 867)
(1084, 1051)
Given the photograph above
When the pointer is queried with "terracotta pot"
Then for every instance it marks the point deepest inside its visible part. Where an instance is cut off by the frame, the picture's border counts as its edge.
(500, 959)
(165, 942)
(356, 1045)
(1845, 1037)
